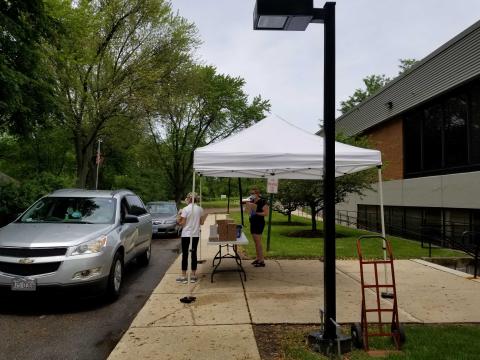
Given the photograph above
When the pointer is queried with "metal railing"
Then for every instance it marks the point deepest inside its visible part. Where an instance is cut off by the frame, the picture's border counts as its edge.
(474, 250)
(445, 235)
(347, 218)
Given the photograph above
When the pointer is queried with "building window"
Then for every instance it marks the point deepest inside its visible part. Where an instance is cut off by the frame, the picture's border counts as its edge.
(455, 125)
(453, 228)
(413, 223)
(443, 136)
(413, 143)
(368, 217)
(475, 123)
(432, 137)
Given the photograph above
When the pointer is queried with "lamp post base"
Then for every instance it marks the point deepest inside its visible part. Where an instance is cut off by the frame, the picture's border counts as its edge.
(341, 345)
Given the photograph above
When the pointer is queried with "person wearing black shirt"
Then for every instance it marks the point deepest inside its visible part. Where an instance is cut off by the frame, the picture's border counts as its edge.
(258, 209)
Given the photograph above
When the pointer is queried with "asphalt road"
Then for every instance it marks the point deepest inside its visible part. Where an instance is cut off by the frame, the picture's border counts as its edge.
(65, 328)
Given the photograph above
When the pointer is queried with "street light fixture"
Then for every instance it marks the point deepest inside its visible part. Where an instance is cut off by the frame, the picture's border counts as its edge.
(295, 15)
(284, 15)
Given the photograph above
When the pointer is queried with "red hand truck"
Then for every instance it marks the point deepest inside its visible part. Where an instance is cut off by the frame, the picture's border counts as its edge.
(361, 332)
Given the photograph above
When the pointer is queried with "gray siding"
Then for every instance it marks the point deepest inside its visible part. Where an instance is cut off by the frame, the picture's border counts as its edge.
(442, 191)
(452, 64)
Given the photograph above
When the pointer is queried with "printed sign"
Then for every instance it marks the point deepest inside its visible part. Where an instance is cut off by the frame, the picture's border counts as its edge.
(272, 185)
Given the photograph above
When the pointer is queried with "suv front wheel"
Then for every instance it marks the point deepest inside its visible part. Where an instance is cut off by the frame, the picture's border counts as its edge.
(115, 279)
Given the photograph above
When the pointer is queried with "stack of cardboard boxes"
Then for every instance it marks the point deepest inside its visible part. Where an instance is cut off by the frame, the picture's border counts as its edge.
(223, 230)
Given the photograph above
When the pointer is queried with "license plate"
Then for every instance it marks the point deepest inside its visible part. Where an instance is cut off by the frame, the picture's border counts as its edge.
(24, 284)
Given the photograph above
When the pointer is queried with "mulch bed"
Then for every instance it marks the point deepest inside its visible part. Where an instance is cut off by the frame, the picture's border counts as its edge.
(271, 339)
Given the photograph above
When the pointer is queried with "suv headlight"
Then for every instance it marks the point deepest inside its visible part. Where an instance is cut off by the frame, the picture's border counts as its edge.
(90, 247)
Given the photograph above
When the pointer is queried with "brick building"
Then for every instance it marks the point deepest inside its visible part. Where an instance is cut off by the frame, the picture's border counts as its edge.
(426, 123)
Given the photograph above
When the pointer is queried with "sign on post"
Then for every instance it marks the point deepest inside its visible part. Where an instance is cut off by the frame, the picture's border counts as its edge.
(272, 185)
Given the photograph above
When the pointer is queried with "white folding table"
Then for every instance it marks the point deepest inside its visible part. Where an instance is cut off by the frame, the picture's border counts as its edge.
(227, 245)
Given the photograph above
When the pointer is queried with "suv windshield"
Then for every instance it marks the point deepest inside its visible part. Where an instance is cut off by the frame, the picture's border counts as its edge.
(80, 210)
(166, 209)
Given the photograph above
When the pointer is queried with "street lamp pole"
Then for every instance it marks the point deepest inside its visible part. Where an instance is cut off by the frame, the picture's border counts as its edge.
(295, 16)
(329, 172)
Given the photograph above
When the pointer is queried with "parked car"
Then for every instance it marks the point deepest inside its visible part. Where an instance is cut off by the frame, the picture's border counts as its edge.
(75, 238)
(164, 217)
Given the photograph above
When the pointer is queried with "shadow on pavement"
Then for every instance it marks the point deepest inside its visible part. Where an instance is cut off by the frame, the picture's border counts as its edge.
(61, 301)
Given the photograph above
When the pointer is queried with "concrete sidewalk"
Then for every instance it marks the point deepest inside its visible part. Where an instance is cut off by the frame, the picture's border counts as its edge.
(218, 325)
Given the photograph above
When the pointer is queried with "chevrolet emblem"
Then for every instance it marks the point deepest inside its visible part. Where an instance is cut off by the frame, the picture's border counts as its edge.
(25, 261)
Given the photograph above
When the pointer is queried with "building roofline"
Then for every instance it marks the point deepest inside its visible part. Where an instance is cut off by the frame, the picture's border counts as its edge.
(412, 70)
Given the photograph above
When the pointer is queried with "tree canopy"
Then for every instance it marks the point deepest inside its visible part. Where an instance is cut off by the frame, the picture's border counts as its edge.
(123, 71)
(26, 82)
(199, 107)
(373, 83)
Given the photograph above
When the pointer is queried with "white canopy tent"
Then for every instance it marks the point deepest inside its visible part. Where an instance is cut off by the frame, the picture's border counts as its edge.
(274, 147)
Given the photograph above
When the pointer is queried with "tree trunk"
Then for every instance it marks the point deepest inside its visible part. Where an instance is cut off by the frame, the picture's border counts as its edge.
(92, 174)
(178, 196)
(84, 155)
(179, 191)
(290, 217)
(314, 220)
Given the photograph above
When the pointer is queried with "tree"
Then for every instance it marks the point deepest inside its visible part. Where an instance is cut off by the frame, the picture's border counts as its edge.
(405, 65)
(26, 81)
(130, 161)
(114, 54)
(44, 150)
(373, 83)
(197, 108)
(287, 200)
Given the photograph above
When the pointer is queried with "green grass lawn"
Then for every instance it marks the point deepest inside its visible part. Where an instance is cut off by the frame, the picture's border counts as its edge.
(424, 342)
(283, 246)
(220, 204)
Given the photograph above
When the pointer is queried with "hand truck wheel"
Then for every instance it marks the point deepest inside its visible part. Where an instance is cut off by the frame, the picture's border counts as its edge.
(357, 335)
(401, 332)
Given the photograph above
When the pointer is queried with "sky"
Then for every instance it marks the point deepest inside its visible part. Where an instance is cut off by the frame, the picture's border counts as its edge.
(286, 67)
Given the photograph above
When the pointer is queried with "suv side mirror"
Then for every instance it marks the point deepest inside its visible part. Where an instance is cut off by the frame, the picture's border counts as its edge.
(130, 219)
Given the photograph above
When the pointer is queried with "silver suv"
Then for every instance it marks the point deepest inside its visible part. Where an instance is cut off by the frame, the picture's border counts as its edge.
(75, 238)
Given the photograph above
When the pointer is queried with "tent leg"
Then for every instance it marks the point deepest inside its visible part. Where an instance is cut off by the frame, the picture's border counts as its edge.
(382, 213)
(229, 193)
(193, 204)
(269, 222)
(200, 190)
(382, 222)
(240, 196)
(200, 260)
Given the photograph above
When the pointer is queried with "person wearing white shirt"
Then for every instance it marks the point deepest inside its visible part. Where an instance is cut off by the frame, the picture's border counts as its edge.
(191, 218)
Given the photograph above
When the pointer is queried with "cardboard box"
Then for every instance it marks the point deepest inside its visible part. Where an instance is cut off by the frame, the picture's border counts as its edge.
(222, 226)
(213, 236)
(231, 232)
